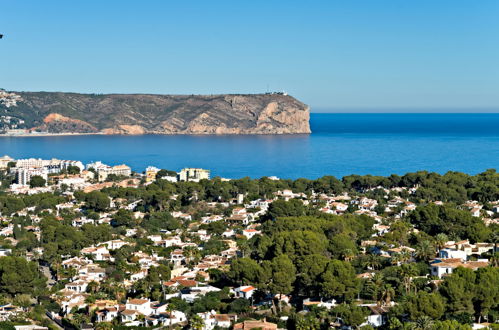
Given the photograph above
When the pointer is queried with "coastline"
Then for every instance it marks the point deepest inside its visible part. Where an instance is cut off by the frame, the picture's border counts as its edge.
(22, 135)
(47, 134)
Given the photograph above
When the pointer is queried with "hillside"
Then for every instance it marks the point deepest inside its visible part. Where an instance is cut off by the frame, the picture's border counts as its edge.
(56, 112)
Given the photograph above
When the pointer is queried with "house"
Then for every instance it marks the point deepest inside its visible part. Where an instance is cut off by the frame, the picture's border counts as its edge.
(378, 316)
(213, 320)
(173, 317)
(394, 251)
(211, 219)
(328, 304)
(7, 311)
(339, 207)
(475, 211)
(250, 233)
(114, 244)
(177, 257)
(452, 254)
(92, 272)
(138, 275)
(5, 252)
(78, 286)
(194, 292)
(442, 267)
(68, 299)
(107, 314)
(129, 315)
(246, 291)
(134, 308)
(99, 253)
(171, 241)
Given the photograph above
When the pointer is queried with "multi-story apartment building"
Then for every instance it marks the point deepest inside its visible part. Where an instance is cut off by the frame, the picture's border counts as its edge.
(24, 175)
(103, 170)
(193, 174)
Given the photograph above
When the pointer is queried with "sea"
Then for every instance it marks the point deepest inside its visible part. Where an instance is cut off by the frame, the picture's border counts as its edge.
(340, 144)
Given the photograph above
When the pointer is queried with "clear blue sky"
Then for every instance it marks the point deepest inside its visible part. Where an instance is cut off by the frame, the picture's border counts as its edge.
(331, 54)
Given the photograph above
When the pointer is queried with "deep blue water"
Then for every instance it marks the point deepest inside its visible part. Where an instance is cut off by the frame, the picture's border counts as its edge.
(341, 144)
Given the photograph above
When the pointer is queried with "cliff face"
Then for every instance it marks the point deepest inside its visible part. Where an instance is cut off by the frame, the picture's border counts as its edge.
(160, 114)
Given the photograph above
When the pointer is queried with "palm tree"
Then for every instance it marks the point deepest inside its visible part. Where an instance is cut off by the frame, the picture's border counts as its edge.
(196, 322)
(372, 262)
(374, 285)
(407, 271)
(348, 255)
(405, 256)
(440, 241)
(387, 294)
(396, 259)
(425, 250)
(103, 326)
(423, 323)
(494, 260)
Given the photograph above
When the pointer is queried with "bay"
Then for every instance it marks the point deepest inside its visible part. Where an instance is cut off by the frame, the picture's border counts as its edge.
(340, 144)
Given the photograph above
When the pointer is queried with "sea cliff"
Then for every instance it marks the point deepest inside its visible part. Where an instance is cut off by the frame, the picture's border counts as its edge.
(62, 113)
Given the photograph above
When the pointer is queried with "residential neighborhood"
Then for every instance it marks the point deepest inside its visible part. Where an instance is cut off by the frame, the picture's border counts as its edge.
(100, 246)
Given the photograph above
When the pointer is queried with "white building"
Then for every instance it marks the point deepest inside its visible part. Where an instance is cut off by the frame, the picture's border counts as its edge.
(24, 175)
(246, 291)
(451, 253)
(4, 161)
(446, 266)
(193, 174)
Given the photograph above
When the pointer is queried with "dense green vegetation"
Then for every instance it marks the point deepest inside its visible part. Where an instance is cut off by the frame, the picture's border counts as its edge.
(301, 252)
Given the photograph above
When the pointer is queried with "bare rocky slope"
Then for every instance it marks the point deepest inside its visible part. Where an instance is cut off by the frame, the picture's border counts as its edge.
(56, 112)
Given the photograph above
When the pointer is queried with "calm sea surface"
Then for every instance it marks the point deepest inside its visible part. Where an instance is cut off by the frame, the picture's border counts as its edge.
(341, 144)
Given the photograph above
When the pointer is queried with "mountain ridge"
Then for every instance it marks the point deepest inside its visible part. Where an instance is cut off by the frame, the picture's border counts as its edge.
(60, 112)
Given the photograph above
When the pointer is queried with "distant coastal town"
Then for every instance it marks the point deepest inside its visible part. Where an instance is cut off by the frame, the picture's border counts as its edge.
(98, 246)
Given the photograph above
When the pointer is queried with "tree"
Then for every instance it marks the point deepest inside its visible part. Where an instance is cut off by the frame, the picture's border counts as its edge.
(309, 270)
(372, 261)
(245, 271)
(440, 241)
(196, 322)
(240, 305)
(19, 276)
(387, 294)
(339, 280)
(281, 208)
(406, 272)
(434, 219)
(423, 323)
(307, 322)
(283, 274)
(424, 304)
(37, 181)
(23, 301)
(342, 246)
(351, 314)
(73, 169)
(425, 250)
(451, 325)
(459, 290)
(124, 218)
(97, 200)
(161, 220)
(486, 295)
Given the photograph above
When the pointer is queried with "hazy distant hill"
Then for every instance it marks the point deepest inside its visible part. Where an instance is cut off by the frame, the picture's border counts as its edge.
(158, 114)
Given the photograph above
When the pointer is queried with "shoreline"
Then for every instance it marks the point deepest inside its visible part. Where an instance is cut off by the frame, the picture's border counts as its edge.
(163, 134)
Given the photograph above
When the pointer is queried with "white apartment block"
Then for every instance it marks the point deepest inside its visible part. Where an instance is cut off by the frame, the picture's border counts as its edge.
(194, 174)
